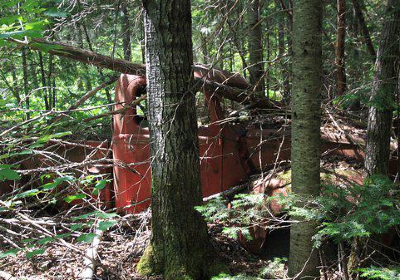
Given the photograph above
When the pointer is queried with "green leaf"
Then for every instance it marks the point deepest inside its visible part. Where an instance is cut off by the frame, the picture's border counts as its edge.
(47, 138)
(71, 198)
(77, 226)
(58, 236)
(87, 238)
(99, 186)
(53, 12)
(20, 34)
(8, 174)
(50, 186)
(104, 225)
(12, 252)
(28, 193)
(35, 253)
(98, 214)
(45, 240)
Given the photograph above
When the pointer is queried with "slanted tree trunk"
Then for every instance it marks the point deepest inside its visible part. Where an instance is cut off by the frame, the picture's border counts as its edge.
(340, 47)
(364, 28)
(256, 65)
(383, 93)
(179, 246)
(306, 120)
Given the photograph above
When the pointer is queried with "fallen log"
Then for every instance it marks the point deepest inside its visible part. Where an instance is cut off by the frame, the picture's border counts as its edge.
(231, 92)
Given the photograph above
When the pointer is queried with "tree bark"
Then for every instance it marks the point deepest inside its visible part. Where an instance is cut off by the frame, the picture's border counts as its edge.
(126, 32)
(179, 246)
(364, 28)
(281, 51)
(306, 120)
(25, 79)
(256, 67)
(44, 85)
(383, 93)
(340, 47)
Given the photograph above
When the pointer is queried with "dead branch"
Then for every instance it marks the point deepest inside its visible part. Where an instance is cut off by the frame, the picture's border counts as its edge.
(90, 259)
(127, 67)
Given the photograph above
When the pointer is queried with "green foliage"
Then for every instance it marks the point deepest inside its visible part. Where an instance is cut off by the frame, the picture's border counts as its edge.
(36, 252)
(358, 211)
(382, 273)
(246, 210)
(6, 173)
(274, 270)
(87, 238)
(224, 276)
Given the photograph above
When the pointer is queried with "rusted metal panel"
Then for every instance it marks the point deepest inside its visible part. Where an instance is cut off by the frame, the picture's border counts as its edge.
(220, 161)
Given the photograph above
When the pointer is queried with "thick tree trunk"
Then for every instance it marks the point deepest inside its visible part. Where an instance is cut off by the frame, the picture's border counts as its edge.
(340, 47)
(383, 93)
(306, 120)
(179, 246)
(364, 28)
(256, 65)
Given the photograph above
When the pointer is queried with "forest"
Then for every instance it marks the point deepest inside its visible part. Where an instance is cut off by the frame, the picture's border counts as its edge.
(200, 140)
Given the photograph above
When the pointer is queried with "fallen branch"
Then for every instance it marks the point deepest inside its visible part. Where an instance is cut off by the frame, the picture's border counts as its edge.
(127, 67)
(90, 257)
(85, 56)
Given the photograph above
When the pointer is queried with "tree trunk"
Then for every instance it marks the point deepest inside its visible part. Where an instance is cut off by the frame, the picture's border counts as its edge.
(126, 32)
(306, 120)
(281, 50)
(15, 88)
(44, 85)
(25, 79)
(179, 246)
(364, 28)
(383, 93)
(340, 47)
(256, 67)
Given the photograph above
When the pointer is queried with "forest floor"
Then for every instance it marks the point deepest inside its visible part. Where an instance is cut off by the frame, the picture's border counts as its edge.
(122, 245)
(118, 255)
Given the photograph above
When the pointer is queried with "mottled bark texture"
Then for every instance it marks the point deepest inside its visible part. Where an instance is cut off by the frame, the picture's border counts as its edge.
(306, 119)
(179, 246)
(256, 65)
(383, 93)
(340, 47)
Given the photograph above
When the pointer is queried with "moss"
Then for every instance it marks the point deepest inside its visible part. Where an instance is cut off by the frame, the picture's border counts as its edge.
(203, 269)
(285, 176)
(217, 268)
(147, 265)
(178, 274)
